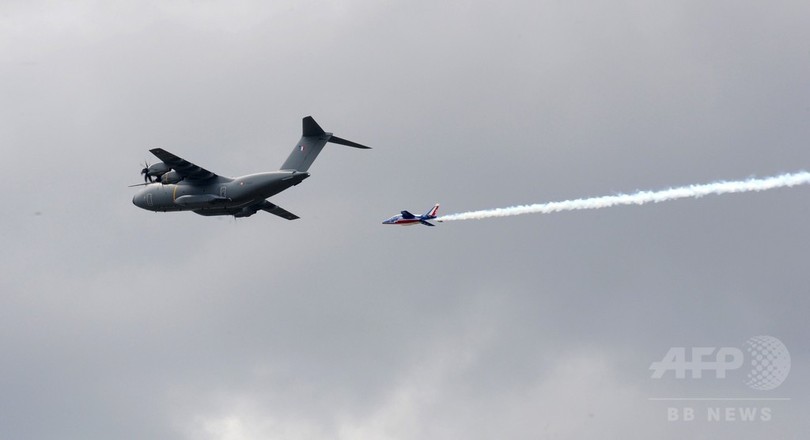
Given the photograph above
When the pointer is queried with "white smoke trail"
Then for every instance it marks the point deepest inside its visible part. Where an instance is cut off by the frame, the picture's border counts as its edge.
(639, 198)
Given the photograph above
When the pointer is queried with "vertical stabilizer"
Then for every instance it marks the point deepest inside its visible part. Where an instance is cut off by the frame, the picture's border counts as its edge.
(433, 211)
(313, 138)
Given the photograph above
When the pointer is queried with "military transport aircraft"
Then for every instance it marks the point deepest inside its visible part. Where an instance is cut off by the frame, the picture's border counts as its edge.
(183, 186)
(405, 218)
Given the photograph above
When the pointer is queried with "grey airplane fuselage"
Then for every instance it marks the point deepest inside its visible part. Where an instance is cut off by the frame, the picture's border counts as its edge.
(222, 195)
(184, 186)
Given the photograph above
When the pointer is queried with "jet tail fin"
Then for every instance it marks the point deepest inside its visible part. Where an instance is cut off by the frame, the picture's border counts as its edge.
(313, 138)
(432, 212)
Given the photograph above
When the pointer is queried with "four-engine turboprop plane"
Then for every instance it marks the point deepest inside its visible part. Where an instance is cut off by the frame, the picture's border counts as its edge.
(405, 218)
(184, 186)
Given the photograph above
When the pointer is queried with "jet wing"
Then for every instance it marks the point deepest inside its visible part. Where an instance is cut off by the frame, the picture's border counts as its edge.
(186, 169)
(277, 210)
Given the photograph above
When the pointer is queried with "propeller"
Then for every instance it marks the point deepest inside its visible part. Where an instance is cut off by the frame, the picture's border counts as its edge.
(147, 178)
(155, 172)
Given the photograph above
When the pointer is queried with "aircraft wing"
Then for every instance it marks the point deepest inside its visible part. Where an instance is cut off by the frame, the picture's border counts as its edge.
(277, 210)
(186, 169)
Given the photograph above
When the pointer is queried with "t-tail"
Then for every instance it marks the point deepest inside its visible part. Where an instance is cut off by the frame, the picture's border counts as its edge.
(312, 142)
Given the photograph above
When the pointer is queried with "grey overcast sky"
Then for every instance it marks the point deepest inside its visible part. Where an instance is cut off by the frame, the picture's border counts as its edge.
(118, 323)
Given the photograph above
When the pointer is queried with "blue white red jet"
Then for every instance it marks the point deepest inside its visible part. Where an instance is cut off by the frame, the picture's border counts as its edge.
(405, 218)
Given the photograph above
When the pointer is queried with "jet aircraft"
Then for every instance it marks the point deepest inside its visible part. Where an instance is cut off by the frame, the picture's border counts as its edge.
(183, 186)
(405, 218)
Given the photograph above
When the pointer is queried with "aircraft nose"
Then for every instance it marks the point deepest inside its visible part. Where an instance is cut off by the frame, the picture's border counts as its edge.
(136, 200)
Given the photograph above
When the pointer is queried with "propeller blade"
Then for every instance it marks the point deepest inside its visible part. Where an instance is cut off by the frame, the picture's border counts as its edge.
(145, 172)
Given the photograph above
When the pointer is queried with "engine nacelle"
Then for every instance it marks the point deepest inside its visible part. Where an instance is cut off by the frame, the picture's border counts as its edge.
(170, 177)
(158, 169)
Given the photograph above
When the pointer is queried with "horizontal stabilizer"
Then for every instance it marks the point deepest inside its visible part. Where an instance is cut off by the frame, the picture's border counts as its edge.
(341, 141)
(426, 223)
(277, 210)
